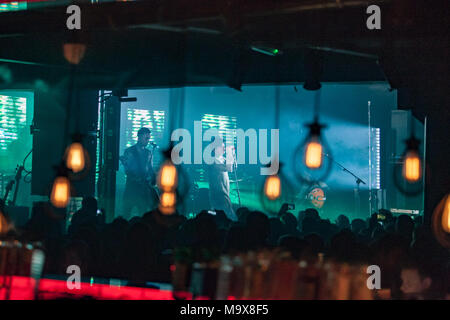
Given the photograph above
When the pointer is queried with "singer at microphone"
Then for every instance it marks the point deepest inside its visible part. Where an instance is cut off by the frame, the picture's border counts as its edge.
(219, 183)
(154, 145)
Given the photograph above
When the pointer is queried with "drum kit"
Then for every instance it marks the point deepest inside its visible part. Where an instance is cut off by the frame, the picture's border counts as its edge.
(198, 197)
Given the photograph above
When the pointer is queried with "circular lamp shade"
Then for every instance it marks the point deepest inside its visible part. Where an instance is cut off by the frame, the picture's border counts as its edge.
(312, 158)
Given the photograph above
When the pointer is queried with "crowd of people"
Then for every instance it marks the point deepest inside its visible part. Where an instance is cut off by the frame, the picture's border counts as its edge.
(142, 249)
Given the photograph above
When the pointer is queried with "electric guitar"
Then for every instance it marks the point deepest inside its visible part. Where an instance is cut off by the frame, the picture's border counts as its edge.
(145, 182)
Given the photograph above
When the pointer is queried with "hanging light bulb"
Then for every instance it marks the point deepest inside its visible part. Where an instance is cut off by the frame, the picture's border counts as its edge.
(75, 159)
(412, 165)
(60, 192)
(313, 153)
(272, 187)
(441, 222)
(61, 189)
(445, 220)
(276, 189)
(408, 171)
(167, 202)
(312, 157)
(167, 177)
(4, 225)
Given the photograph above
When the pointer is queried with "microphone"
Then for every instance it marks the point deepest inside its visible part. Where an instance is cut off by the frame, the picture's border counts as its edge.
(154, 145)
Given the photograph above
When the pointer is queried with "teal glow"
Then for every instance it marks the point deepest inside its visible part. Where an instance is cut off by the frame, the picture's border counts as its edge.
(13, 6)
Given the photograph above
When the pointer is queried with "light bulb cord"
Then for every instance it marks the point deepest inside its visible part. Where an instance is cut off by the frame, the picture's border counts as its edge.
(316, 105)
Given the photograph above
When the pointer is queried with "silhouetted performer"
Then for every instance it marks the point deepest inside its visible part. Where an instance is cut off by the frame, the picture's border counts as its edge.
(139, 189)
(219, 183)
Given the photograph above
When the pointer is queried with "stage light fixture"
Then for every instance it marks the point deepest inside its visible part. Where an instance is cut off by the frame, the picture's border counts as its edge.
(167, 203)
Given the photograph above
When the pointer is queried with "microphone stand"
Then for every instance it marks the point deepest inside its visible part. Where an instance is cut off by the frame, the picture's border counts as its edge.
(358, 181)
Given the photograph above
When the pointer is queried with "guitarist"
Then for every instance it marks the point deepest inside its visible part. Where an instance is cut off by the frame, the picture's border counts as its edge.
(138, 163)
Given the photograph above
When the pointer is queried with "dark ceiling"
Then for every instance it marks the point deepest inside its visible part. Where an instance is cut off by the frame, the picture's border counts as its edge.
(179, 42)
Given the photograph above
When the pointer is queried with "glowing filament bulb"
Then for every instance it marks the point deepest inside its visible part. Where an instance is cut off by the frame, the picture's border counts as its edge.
(168, 177)
(167, 202)
(313, 156)
(3, 224)
(75, 157)
(60, 192)
(412, 170)
(446, 216)
(272, 187)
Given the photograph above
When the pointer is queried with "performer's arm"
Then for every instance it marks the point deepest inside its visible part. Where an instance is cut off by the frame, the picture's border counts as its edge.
(126, 160)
